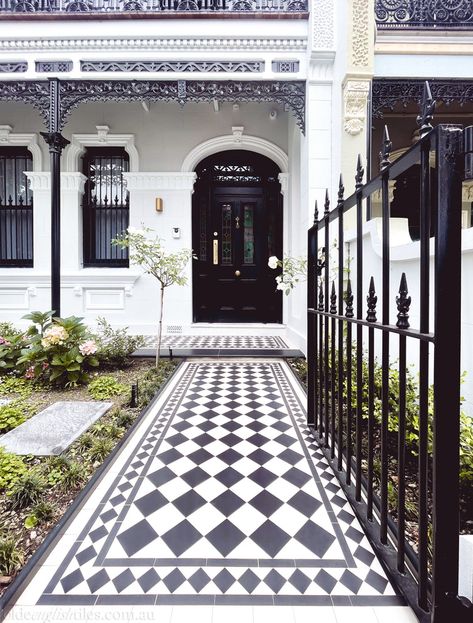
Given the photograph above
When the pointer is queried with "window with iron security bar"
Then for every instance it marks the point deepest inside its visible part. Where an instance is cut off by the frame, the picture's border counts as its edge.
(16, 208)
(388, 434)
(84, 7)
(431, 14)
(105, 206)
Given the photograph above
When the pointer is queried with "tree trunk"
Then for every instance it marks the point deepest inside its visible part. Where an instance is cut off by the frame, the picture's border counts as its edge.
(160, 327)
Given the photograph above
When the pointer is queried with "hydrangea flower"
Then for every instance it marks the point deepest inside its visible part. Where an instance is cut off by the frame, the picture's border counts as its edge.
(273, 262)
(54, 336)
(89, 347)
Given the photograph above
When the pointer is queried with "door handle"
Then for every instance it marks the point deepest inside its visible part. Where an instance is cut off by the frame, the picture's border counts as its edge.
(215, 258)
(237, 273)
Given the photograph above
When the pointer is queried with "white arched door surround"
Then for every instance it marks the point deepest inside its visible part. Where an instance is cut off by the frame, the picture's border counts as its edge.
(237, 140)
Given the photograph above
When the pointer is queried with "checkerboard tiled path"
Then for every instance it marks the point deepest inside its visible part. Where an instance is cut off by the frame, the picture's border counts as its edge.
(220, 496)
(220, 342)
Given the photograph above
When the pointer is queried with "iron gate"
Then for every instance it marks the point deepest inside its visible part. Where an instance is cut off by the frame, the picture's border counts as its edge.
(343, 339)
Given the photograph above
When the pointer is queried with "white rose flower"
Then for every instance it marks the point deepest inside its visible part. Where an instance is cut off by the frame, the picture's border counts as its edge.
(281, 286)
(273, 262)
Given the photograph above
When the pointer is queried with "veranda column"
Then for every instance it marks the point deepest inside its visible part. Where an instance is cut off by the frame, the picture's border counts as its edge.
(56, 143)
(360, 28)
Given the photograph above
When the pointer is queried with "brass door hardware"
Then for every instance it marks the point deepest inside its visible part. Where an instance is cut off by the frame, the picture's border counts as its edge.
(237, 273)
(215, 252)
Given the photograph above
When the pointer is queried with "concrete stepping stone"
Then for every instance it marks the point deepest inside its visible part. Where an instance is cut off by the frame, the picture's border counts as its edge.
(52, 430)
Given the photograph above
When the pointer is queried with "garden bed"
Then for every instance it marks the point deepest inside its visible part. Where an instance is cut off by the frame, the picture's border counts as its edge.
(35, 492)
(299, 366)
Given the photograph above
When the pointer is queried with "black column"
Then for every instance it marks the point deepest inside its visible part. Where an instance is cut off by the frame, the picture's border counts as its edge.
(56, 143)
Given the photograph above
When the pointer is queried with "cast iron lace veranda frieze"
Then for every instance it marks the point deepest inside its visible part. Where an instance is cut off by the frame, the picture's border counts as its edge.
(35, 93)
(290, 94)
(174, 66)
(390, 94)
(152, 6)
(424, 13)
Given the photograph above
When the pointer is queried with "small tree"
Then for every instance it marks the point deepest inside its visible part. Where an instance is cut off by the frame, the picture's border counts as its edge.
(150, 253)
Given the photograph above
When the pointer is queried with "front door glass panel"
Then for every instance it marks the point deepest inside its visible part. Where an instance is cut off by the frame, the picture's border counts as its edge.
(248, 234)
(227, 247)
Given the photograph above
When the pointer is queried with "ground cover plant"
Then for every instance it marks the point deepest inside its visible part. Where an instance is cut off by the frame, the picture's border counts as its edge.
(36, 491)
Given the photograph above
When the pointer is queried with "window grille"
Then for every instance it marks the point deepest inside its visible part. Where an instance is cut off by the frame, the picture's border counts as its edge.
(105, 206)
(16, 208)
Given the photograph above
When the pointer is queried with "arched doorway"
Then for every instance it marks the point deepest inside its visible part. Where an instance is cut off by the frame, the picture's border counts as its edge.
(237, 223)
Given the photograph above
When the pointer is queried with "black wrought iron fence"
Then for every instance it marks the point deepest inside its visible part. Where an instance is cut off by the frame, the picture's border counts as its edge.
(360, 392)
(151, 6)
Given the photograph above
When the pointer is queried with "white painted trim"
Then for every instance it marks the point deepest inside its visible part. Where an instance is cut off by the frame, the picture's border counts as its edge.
(79, 142)
(235, 141)
(167, 180)
(30, 141)
(190, 43)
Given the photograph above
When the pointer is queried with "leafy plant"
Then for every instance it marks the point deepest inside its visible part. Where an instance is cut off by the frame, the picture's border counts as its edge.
(293, 271)
(152, 381)
(115, 345)
(124, 419)
(101, 448)
(60, 350)
(27, 490)
(151, 255)
(43, 510)
(11, 416)
(11, 557)
(73, 476)
(12, 468)
(11, 348)
(105, 387)
(85, 441)
(8, 330)
(31, 521)
(14, 385)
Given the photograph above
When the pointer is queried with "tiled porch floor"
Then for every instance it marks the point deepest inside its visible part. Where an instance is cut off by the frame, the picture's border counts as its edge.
(220, 505)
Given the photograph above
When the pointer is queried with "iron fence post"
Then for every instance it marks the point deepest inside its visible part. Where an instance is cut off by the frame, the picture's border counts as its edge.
(446, 605)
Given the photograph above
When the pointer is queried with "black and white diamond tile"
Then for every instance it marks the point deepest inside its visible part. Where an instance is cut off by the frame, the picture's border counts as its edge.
(219, 342)
(224, 495)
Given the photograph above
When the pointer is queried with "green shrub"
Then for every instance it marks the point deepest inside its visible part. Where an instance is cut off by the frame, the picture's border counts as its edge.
(73, 476)
(27, 490)
(101, 448)
(11, 557)
(152, 381)
(60, 350)
(11, 416)
(11, 349)
(105, 387)
(124, 419)
(8, 330)
(85, 441)
(43, 511)
(12, 468)
(115, 345)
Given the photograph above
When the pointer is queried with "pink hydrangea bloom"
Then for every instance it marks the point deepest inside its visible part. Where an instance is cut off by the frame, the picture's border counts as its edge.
(4, 341)
(89, 347)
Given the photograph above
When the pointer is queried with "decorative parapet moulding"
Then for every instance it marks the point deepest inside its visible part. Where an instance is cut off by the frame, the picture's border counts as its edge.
(274, 43)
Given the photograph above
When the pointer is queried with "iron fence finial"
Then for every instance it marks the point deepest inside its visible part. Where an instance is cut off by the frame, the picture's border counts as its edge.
(327, 203)
(371, 299)
(386, 150)
(403, 302)
(321, 297)
(360, 172)
(316, 212)
(333, 300)
(349, 300)
(424, 120)
(341, 189)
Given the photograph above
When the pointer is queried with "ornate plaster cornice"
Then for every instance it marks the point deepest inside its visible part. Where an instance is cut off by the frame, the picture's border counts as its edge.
(39, 180)
(263, 43)
(168, 180)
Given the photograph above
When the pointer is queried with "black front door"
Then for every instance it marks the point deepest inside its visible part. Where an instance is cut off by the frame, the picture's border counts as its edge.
(237, 226)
